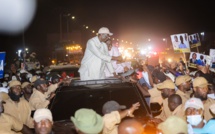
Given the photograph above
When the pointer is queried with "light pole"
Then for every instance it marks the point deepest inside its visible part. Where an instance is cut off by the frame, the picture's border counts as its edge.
(60, 27)
(67, 24)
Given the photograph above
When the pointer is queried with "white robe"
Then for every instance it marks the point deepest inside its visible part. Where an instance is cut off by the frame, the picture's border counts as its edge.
(119, 68)
(94, 61)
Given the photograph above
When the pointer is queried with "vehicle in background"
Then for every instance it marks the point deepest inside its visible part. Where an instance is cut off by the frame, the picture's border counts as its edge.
(63, 71)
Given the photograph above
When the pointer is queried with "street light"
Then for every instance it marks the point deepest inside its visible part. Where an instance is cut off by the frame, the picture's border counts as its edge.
(203, 35)
(68, 16)
(73, 17)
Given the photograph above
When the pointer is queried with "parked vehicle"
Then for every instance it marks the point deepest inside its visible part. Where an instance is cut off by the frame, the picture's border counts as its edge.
(63, 71)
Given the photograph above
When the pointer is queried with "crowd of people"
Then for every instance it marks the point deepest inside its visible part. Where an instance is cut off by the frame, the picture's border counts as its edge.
(186, 97)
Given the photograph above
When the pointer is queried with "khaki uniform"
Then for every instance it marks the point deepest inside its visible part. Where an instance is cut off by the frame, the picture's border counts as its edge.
(51, 88)
(179, 111)
(38, 100)
(21, 111)
(9, 123)
(207, 113)
(165, 111)
(4, 96)
(111, 122)
(184, 96)
(155, 95)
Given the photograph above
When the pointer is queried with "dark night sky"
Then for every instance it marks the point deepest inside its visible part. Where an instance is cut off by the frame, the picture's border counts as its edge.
(133, 20)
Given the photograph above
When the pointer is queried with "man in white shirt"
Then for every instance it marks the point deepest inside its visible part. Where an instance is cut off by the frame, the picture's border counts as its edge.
(96, 58)
(119, 67)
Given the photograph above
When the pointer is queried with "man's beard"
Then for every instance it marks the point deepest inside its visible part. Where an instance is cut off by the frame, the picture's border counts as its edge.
(203, 98)
(14, 97)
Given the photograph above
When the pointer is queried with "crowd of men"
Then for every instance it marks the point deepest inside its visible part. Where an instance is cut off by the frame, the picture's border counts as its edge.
(186, 97)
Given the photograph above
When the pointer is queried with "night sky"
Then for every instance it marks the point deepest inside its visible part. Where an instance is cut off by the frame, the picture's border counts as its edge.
(132, 20)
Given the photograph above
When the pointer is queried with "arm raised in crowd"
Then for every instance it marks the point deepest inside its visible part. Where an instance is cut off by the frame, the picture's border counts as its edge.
(129, 112)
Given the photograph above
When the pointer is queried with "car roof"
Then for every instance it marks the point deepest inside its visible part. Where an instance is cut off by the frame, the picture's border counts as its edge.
(93, 94)
(68, 66)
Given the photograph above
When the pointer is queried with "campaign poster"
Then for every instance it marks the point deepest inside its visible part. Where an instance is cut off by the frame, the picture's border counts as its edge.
(198, 59)
(194, 40)
(2, 61)
(180, 43)
(212, 55)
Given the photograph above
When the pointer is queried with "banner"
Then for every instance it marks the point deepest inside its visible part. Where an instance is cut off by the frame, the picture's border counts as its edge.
(194, 40)
(212, 55)
(2, 61)
(198, 59)
(180, 43)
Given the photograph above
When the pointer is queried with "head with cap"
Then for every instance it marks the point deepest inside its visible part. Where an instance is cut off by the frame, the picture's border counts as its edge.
(15, 90)
(130, 126)
(200, 87)
(27, 88)
(55, 78)
(174, 101)
(111, 106)
(104, 34)
(173, 125)
(167, 88)
(6, 77)
(40, 85)
(158, 76)
(43, 121)
(183, 82)
(87, 121)
(194, 110)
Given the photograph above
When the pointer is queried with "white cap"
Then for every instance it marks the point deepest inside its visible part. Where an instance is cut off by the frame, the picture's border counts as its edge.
(41, 114)
(23, 71)
(14, 78)
(104, 30)
(194, 103)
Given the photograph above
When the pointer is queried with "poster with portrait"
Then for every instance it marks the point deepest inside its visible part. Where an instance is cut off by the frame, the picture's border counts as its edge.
(194, 40)
(212, 55)
(198, 59)
(180, 43)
